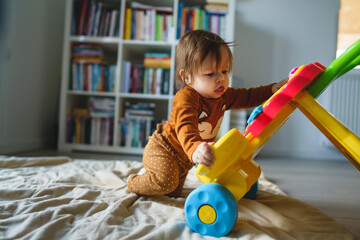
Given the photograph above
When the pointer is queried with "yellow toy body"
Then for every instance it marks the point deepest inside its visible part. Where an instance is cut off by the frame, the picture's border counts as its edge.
(234, 167)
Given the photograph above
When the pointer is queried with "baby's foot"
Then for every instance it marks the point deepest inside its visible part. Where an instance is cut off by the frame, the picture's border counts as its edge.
(141, 172)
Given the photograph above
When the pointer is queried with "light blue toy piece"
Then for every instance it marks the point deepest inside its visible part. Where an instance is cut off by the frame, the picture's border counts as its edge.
(255, 113)
(220, 201)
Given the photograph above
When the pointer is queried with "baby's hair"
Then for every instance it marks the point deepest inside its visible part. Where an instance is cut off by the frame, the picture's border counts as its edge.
(193, 48)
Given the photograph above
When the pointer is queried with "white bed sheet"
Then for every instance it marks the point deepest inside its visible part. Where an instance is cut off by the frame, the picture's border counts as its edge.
(61, 198)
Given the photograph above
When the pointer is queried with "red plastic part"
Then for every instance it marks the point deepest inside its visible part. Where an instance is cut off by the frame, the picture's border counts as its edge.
(298, 82)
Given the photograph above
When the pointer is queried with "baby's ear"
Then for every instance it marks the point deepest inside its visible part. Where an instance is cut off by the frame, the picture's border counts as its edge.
(181, 73)
(185, 78)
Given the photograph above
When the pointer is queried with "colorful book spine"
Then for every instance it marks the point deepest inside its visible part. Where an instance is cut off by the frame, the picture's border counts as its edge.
(178, 27)
(127, 27)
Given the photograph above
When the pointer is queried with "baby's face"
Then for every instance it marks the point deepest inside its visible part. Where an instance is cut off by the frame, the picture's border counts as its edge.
(211, 82)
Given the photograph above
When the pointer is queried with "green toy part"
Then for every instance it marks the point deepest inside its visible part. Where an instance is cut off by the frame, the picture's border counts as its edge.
(344, 63)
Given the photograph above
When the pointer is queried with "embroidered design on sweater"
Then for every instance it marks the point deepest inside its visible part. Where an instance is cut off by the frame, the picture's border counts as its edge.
(205, 128)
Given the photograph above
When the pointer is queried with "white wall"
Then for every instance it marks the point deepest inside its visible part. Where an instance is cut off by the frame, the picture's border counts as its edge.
(30, 73)
(275, 36)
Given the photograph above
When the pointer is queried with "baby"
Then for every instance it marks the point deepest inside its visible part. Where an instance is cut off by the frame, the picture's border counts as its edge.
(203, 63)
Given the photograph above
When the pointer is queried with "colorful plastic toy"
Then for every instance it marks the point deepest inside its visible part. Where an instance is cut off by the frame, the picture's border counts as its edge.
(211, 209)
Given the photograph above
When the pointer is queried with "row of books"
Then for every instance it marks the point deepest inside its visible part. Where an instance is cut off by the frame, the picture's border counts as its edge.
(150, 23)
(92, 125)
(137, 125)
(191, 18)
(95, 124)
(145, 22)
(133, 132)
(81, 128)
(95, 18)
(92, 77)
(147, 80)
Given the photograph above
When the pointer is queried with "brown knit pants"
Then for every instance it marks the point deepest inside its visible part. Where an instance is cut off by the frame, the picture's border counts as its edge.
(166, 168)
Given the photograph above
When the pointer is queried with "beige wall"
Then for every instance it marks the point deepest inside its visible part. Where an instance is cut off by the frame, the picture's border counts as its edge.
(349, 23)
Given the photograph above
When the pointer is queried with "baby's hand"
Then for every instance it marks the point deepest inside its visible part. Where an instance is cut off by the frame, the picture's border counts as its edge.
(278, 85)
(204, 155)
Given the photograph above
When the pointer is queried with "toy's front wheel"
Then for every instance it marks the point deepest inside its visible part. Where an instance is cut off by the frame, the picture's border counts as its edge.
(211, 210)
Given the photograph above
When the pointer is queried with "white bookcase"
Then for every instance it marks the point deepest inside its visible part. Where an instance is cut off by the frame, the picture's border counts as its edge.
(121, 50)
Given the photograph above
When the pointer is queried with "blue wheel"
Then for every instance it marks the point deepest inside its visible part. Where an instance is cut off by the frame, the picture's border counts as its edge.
(211, 210)
(251, 194)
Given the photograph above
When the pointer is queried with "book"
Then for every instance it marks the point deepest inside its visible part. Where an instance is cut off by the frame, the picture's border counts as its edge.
(158, 80)
(74, 17)
(150, 77)
(179, 20)
(165, 81)
(82, 17)
(127, 25)
(113, 24)
(159, 27)
(126, 76)
(183, 21)
(101, 22)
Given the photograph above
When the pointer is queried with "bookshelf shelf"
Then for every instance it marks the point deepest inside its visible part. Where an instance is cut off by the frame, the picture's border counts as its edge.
(113, 40)
(85, 93)
(146, 43)
(145, 96)
(116, 114)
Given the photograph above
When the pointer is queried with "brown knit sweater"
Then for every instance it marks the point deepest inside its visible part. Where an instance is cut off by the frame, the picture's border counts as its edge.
(195, 119)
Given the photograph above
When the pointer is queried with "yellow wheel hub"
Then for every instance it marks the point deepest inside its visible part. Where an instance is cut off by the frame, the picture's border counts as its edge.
(207, 214)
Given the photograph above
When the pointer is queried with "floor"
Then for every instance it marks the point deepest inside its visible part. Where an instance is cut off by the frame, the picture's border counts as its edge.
(332, 186)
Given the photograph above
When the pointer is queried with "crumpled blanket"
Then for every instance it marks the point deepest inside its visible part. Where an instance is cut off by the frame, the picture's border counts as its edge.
(61, 198)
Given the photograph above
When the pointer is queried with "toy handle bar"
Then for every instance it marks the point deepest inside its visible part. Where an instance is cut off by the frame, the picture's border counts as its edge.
(350, 66)
(344, 63)
(343, 138)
